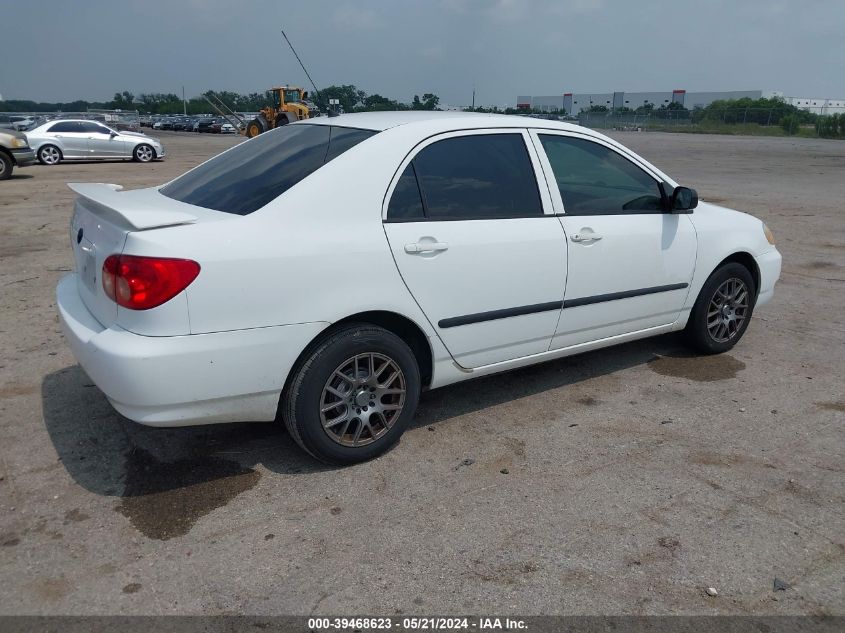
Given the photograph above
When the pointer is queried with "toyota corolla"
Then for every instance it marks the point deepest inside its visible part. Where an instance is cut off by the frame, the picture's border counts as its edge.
(326, 272)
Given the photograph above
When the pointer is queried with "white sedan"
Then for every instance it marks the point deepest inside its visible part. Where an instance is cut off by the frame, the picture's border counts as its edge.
(80, 139)
(326, 272)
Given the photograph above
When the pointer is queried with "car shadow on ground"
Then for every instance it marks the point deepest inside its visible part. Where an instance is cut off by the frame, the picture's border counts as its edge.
(109, 455)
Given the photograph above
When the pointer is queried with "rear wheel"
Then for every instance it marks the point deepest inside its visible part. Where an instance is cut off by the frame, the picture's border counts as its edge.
(143, 153)
(5, 166)
(353, 395)
(49, 155)
(722, 312)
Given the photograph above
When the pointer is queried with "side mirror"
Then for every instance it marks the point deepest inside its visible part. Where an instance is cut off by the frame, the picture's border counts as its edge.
(684, 200)
(112, 133)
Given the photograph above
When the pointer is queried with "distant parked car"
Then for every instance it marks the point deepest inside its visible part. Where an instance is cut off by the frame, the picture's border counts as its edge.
(227, 128)
(16, 122)
(205, 125)
(14, 152)
(80, 140)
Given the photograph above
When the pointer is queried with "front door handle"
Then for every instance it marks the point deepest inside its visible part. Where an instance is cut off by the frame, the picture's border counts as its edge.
(425, 247)
(585, 237)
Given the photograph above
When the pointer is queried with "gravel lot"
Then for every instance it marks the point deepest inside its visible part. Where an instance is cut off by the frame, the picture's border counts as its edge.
(621, 481)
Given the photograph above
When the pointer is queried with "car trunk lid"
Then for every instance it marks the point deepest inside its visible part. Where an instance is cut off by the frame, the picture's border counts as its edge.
(103, 216)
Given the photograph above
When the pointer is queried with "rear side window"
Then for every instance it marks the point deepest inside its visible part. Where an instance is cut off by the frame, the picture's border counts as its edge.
(406, 201)
(254, 173)
(483, 176)
(66, 126)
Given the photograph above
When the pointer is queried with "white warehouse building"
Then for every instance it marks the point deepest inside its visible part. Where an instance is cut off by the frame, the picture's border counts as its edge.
(817, 106)
(573, 103)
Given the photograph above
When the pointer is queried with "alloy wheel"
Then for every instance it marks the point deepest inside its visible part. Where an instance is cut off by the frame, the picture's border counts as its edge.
(728, 310)
(362, 399)
(50, 155)
(144, 153)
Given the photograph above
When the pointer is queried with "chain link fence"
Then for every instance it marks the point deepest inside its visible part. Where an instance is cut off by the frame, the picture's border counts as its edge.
(118, 119)
(737, 120)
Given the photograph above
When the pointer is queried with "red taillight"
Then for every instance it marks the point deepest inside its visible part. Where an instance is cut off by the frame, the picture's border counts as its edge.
(141, 283)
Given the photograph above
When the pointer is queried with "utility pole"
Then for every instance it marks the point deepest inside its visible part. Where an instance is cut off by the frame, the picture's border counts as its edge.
(473, 98)
(184, 103)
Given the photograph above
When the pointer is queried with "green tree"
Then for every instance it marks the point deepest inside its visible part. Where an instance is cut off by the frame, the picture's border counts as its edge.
(123, 101)
(349, 96)
(429, 101)
(379, 103)
(790, 123)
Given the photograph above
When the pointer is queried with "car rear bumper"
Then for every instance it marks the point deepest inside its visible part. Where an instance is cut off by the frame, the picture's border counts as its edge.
(233, 376)
(23, 156)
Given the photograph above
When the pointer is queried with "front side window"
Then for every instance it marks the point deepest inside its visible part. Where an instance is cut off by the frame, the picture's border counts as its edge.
(94, 128)
(254, 173)
(481, 176)
(595, 180)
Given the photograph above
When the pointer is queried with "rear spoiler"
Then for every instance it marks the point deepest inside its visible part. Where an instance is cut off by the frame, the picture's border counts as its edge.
(134, 208)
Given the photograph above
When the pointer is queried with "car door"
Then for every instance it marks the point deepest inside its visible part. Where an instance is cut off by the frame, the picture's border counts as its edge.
(70, 139)
(477, 244)
(101, 143)
(630, 259)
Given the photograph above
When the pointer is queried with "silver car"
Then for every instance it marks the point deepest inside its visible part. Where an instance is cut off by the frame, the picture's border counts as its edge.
(71, 139)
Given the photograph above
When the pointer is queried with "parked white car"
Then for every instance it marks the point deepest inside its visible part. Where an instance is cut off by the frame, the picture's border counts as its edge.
(72, 139)
(327, 271)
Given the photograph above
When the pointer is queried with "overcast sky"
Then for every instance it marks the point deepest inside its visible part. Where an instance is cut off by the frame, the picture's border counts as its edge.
(88, 49)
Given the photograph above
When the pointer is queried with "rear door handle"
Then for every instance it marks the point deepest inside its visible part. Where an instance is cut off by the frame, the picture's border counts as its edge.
(585, 237)
(425, 247)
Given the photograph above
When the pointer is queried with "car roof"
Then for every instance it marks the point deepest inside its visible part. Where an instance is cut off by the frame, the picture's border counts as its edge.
(446, 121)
(51, 122)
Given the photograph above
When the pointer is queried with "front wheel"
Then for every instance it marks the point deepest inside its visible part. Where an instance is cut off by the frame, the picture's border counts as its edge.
(143, 153)
(257, 126)
(49, 155)
(5, 166)
(722, 312)
(353, 395)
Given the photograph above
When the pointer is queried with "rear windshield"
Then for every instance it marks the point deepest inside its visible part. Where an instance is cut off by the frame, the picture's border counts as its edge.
(254, 173)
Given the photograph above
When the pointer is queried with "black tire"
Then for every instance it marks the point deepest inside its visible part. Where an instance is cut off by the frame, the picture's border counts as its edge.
(301, 403)
(6, 166)
(697, 333)
(283, 118)
(143, 153)
(49, 155)
(257, 126)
